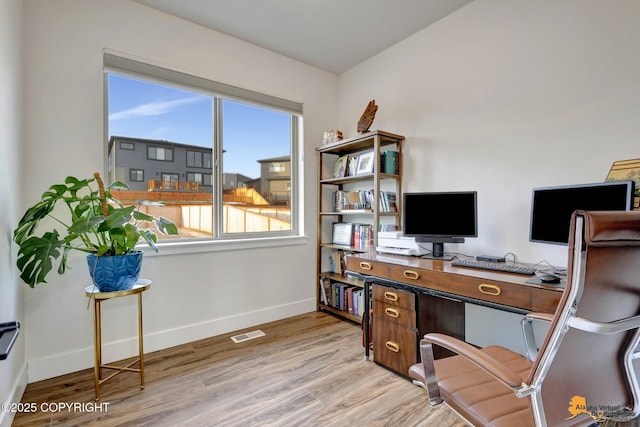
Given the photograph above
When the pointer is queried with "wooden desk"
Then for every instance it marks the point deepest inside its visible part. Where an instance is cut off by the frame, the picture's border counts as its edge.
(434, 292)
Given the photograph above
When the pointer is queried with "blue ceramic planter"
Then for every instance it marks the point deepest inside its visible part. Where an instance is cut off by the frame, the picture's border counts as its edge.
(115, 273)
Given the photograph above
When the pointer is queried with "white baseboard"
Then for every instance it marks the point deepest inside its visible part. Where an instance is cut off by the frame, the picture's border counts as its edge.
(6, 417)
(79, 359)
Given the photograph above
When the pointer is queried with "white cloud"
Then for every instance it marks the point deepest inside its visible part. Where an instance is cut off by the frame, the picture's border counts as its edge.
(155, 108)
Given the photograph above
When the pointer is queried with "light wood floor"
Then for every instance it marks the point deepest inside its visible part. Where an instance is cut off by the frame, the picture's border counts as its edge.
(307, 371)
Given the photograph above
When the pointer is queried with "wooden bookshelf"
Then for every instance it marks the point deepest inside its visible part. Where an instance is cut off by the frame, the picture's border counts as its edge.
(375, 146)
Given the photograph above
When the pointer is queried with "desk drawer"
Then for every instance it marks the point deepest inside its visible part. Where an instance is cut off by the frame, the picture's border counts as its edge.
(472, 287)
(394, 297)
(367, 267)
(391, 313)
(394, 346)
(488, 290)
(545, 301)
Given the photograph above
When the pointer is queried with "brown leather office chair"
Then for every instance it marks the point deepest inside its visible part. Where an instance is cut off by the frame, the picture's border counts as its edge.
(585, 369)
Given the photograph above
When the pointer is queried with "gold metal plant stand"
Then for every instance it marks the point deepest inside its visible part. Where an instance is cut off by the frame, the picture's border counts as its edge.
(92, 292)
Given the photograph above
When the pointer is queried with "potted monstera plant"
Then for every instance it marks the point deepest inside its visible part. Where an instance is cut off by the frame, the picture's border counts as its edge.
(82, 215)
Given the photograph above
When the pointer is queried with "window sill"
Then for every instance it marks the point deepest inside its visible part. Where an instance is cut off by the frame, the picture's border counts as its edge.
(197, 246)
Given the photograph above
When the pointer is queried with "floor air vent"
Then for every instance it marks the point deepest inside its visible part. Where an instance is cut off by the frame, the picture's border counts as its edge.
(247, 336)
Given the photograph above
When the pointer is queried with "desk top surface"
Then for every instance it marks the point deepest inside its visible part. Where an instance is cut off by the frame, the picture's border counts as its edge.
(446, 267)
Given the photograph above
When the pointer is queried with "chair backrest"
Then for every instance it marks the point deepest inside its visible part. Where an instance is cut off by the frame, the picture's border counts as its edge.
(578, 373)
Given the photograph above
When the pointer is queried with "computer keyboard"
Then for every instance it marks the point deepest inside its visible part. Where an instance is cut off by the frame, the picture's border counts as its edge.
(495, 266)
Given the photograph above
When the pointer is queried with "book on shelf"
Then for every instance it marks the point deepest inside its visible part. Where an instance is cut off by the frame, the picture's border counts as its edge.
(337, 262)
(389, 162)
(353, 235)
(323, 291)
(362, 236)
(348, 299)
(352, 201)
(342, 296)
(388, 201)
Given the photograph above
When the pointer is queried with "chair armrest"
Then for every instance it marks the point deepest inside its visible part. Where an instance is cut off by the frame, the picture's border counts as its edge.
(545, 317)
(479, 358)
(527, 331)
(605, 327)
(430, 379)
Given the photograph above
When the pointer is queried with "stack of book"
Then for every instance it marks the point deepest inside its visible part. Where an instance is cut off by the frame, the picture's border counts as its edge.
(342, 296)
(388, 201)
(352, 201)
(362, 236)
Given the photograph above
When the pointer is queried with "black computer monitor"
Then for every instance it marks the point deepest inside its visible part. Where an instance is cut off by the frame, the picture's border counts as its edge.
(552, 207)
(440, 217)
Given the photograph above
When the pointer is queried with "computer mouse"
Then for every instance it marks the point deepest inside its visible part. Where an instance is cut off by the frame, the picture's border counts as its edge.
(549, 278)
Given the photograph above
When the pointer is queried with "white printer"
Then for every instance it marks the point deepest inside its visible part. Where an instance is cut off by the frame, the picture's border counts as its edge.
(393, 242)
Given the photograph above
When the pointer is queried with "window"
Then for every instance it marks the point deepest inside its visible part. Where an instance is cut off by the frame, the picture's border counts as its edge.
(127, 146)
(276, 167)
(200, 178)
(160, 153)
(170, 181)
(194, 159)
(136, 175)
(222, 132)
(198, 159)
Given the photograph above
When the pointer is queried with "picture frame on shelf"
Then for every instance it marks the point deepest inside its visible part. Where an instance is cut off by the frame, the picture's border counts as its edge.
(352, 165)
(340, 167)
(342, 233)
(365, 163)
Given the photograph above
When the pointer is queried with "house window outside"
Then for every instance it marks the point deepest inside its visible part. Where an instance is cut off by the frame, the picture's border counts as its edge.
(160, 153)
(170, 180)
(200, 178)
(236, 134)
(127, 146)
(276, 167)
(136, 175)
(198, 159)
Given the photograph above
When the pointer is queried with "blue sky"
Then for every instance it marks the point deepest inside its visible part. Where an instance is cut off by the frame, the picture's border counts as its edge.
(142, 109)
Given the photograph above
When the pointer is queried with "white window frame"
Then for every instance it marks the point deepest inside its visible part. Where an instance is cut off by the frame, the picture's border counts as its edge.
(134, 68)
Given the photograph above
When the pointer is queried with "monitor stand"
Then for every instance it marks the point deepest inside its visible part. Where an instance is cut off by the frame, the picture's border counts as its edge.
(441, 258)
(437, 252)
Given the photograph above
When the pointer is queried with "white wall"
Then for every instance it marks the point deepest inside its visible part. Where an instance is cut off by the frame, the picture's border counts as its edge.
(193, 295)
(503, 96)
(13, 369)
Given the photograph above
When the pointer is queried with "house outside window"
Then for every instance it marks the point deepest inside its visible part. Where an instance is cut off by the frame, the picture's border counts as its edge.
(198, 159)
(276, 167)
(136, 175)
(249, 140)
(200, 178)
(160, 153)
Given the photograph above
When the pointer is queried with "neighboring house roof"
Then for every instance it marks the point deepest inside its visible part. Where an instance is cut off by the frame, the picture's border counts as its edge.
(160, 142)
(276, 159)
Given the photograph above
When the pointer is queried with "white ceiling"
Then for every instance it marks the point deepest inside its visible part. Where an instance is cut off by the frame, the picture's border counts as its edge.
(333, 35)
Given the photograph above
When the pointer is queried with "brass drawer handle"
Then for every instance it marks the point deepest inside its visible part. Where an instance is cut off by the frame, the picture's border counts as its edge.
(392, 346)
(365, 265)
(392, 312)
(489, 289)
(413, 275)
(391, 296)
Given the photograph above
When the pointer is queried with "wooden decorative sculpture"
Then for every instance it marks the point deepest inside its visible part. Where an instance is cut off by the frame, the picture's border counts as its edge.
(367, 117)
